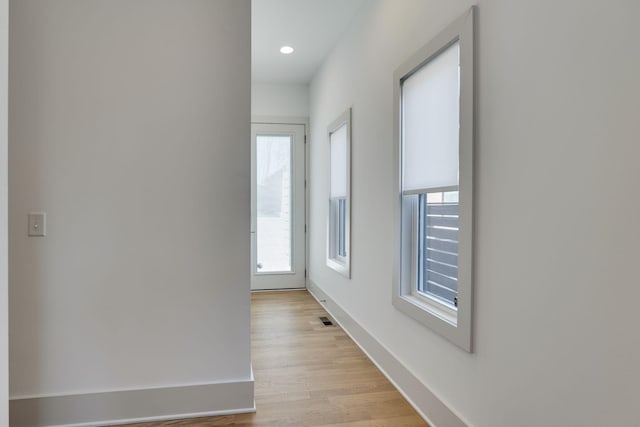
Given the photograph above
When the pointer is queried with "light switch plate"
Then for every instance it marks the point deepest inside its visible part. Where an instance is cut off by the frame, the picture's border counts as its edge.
(37, 224)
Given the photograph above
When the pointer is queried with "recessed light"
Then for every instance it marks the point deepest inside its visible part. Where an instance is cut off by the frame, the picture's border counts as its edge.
(286, 50)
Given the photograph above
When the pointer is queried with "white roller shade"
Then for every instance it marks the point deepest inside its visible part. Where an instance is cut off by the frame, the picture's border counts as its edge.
(338, 142)
(430, 113)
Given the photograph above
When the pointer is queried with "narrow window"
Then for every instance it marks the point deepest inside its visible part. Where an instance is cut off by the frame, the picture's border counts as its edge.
(434, 183)
(338, 220)
(342, 219)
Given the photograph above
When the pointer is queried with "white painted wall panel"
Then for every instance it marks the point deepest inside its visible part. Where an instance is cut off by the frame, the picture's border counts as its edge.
(279, 100)
(129, 127)
(557, 231)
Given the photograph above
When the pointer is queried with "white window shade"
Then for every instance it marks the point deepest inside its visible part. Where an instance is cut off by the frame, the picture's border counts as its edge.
(430, 124)
(338, 141)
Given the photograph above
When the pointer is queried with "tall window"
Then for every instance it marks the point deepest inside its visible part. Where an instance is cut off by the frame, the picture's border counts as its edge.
(434, 183)
(338, 220)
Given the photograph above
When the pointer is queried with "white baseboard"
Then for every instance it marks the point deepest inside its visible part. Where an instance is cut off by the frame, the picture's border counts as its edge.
(129, 406)
(427, 404)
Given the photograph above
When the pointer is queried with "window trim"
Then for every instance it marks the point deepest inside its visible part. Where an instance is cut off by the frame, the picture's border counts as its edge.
(432, 313)
(334, 261)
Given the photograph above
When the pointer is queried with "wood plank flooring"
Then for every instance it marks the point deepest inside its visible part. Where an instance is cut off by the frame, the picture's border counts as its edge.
(308, 374)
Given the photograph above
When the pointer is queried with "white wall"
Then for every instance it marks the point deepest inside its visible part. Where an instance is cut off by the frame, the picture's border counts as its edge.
(129, 126)
(279, 100)
(557, 230)
(4, 307)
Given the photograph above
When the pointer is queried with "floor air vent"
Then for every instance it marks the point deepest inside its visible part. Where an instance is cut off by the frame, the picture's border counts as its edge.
(326, 321)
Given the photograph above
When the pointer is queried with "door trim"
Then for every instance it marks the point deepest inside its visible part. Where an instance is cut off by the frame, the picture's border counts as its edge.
(296, 120)
(304, 122)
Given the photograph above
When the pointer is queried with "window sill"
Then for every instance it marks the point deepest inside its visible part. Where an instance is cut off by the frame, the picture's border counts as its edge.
(436, 317)
(340, 265)
(434, 308)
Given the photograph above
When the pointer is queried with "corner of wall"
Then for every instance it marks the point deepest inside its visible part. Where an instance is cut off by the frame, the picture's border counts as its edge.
(4, 305)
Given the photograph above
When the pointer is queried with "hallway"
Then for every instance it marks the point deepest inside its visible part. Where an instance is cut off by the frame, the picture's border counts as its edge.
(308, 374)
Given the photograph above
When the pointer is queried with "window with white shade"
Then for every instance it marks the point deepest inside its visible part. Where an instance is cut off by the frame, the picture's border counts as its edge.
(434, 183)
(338, 218)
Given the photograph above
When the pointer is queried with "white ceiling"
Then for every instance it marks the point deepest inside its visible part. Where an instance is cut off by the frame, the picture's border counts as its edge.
(311, 27)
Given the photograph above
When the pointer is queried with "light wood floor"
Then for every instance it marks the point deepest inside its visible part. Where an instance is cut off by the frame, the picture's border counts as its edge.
(307, 374)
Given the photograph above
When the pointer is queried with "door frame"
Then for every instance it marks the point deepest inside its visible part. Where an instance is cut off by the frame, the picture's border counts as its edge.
(294, 120)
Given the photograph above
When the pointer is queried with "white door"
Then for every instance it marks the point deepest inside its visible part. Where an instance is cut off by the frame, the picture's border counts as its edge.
(277, 206)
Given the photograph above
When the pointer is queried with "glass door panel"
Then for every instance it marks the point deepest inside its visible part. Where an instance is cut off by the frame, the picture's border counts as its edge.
(273, 200)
